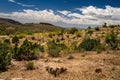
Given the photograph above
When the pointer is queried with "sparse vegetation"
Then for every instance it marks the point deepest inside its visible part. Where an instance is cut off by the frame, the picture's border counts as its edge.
(27, 51)
(111, 40)
(56, 71)
(77, 50)
(90, 32)
(97, 28)
(5, 56)
(30, 66)
(89, 44)
(7, 41)
(15, 39)
(54, 48)
(73, 30)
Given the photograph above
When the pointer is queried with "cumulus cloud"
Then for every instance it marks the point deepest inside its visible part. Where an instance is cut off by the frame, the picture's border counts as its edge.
(64, 12)
(21, 4)
(84, 16)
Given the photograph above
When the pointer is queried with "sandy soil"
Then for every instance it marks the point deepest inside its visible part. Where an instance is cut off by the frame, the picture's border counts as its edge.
(79, 68)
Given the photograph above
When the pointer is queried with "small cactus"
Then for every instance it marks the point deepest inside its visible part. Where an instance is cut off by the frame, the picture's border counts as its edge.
(56, 71)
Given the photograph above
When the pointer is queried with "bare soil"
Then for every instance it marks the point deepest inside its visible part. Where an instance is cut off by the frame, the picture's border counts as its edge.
(82, 67)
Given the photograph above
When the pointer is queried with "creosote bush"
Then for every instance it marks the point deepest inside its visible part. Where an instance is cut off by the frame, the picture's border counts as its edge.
(15, 39)
(54, 48)
(27, 51)
(7, 41)
(89, 44)
(5, 56)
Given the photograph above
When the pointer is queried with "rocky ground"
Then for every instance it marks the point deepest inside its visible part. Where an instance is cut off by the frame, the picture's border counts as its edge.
(83, 66)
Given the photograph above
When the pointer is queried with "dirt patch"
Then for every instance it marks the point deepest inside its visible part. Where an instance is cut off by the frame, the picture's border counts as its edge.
(91, 67)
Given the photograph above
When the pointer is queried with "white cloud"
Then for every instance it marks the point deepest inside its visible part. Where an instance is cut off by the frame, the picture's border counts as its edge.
(21, 4)
(64, 12)
(85, 16)
(11, 0)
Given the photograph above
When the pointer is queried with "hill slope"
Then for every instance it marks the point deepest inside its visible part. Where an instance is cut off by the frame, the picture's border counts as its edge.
(8, 26)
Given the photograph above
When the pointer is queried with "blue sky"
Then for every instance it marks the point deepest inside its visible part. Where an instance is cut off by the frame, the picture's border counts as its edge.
(67, 13)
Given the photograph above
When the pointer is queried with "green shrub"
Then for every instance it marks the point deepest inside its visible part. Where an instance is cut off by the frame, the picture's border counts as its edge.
(73, 30)
(54, 49)
(7, 41)
(104, 25)
(61, 32)
(62, 38)
(73, 47)
(57, 40)
(111, 40)
(30, 65)
(50, 35)
(21, 36)
(15, 51)
(33, 38)
(27, 51)
(99, 48)
(90, 32)
(78, 34)
(97, 28)
(89, 44)
(89, 27)
(5, 56)
(15, 39)
(30, 33)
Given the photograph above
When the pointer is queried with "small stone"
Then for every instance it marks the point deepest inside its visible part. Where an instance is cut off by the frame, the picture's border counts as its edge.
(46, 60)
(70, 57)
(57, 60)
(98, 70)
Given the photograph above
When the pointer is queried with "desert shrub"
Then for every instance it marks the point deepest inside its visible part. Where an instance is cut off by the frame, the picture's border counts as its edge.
(61, 32)
(73, 30)
(57, 40)
(90, 32)
(89, 44)
(15, 39)
(62, 46)
(112, 26)
(78, 34)
(21, 36)
(5, 56)
(30, 33)
(62, 38)
(30, 65)
(111, 40)
(89, 27)
(15, 51)
(73, 47)
(104, 25)
(7, 41)
(50, 35)
(33, 38)
(54, 49)
(99, 48)
(27, 51)
(97, 28)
